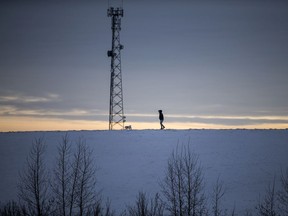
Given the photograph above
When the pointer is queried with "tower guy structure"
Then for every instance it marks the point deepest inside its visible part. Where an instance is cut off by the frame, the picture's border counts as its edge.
(116, 110)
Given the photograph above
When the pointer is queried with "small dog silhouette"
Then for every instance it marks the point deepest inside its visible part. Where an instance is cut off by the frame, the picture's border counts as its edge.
(128, 127)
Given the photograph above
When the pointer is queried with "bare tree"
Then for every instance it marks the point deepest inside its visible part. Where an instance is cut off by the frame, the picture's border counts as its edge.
(157, 206)
(218, 193)
(183, 184)
(86, 193)
(74, 184)
(143, 207)
(61, 185)
(283, 194)
(13, 209)
(73, 189)
(75, 173)
(99, 210)
(267, 207)
(34, 181)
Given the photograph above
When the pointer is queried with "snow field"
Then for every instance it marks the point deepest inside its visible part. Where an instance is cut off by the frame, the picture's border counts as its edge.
(131, 161)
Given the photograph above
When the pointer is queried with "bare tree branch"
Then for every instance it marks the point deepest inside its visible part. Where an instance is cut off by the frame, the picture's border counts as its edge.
(267, 207)
(283, 194)
(34, 181)
(61, 186)
(183, 185)
(218, 193)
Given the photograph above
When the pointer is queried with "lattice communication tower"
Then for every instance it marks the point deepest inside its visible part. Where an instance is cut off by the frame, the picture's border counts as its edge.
(116, 111)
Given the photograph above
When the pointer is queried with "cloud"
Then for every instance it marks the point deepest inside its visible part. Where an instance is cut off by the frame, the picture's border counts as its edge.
(72, 114)
(19, 98)
(232, 117)
(214, 120)
(93, 118)
(48, 105)
(51, 106)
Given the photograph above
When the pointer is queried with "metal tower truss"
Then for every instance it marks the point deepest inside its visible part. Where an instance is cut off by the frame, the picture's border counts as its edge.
(116, 111)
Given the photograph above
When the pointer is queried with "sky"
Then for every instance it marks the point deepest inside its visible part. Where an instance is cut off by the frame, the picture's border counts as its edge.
(207, 64)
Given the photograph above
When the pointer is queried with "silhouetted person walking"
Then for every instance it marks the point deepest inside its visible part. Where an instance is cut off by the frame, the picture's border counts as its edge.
(161, 118)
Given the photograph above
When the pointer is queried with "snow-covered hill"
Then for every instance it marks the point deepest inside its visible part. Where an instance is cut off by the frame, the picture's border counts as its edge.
(133, 161)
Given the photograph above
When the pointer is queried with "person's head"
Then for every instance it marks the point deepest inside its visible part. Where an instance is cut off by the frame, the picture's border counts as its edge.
(160, 111)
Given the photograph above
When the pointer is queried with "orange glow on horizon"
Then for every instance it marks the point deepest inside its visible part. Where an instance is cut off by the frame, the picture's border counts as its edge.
(46, 124)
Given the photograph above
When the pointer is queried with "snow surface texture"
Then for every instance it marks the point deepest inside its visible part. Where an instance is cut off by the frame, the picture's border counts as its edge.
(133, 161)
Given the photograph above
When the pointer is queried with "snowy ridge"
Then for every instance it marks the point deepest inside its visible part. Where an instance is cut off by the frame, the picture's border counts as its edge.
(133, 161)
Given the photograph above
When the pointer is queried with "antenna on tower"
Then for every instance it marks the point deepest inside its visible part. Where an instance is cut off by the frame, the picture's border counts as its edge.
(115, 3)
(116, 110)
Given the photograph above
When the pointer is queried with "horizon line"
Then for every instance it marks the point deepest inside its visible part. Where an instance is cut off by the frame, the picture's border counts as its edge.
(103, 130)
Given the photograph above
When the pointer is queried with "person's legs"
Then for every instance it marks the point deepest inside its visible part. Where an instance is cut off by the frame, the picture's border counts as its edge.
(161, 123)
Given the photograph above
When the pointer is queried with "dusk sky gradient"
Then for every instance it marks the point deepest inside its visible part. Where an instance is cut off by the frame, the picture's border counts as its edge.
(206, 64)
